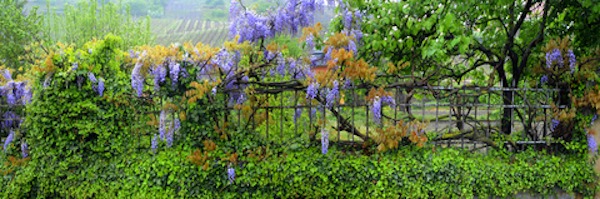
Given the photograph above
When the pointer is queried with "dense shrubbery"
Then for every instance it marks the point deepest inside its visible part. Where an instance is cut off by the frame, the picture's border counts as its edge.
(406, 173)
(155, 122)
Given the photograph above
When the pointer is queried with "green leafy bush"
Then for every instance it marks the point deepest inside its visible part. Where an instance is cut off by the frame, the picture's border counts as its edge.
(406, 173)
(73, 119)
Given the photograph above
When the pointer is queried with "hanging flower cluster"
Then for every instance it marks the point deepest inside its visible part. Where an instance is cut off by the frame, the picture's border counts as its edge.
(167, 127)
(378, 97)
(16, 93)
(555, 57)
(324, 141)
(251, 26)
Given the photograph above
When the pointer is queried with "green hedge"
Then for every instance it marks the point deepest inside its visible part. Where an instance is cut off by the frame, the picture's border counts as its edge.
(407, 173)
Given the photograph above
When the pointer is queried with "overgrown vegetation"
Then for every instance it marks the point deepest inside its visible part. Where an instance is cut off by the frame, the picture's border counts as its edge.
(114, 118)
(87, 20)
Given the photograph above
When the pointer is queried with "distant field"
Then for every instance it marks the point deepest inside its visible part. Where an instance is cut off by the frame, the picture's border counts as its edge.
(169, 31)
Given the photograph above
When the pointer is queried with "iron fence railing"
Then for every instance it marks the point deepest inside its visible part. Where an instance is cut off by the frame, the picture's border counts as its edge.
(449, 114)
(459, 111)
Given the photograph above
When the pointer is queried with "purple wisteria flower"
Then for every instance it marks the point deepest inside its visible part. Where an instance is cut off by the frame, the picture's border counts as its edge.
(554, 124)
(8, 140)
(214, 90)
(26, 96)
(24, 149)
(137, 79)
(184, 73)
(592, 145)
(572, 60)
(311, 91)
(132, 54)
(290, 17)
(347, 18)
(553, 56)
(332, 95)
(544, 79)
(169, 136)
(269, 55)
(327, 55)
(292, 64)
(11, 98)
(241, 99)
(376, 109)
(297, 114)
(347, 84)
(75, 66)
(594, 119)
(159, 73)
(176, 124)
(101, 87)
(174, 128)
(358, 35)
(9, 119)
(174, 69)
(154, 143)
(352, 46)
(231, 174)
(92, 77)
(162, 125)
(19, 89)
(389, 100)
(324, 141)
(310, 43)
(281, 66)
(7, 76)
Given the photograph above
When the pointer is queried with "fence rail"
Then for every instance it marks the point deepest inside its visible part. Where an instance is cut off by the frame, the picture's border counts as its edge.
(446, 110)
(453, 115)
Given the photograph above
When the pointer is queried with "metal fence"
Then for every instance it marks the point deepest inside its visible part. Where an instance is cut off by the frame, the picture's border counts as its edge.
(454, 116)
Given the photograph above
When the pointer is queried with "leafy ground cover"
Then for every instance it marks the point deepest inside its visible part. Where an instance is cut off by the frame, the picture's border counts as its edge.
(306, 173)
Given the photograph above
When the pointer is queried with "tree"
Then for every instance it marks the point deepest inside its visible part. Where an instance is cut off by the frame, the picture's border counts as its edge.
(443, 40)
(580, 19)
(17, 29)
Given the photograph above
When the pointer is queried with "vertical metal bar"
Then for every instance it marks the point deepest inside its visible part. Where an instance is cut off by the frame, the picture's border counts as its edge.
(546, 114)
(281, 116)
(353, 112)
(524, 135)
(489, 112)
(324, 127)
(310, 120)
(397, 99)
(423, 107)
(512, 111)
(295, 109)
(437, 115)
(475, 104)
(239, 120)
(462, 120)
(450, 109)
(267, 118)
(367, 118)
(339, 107)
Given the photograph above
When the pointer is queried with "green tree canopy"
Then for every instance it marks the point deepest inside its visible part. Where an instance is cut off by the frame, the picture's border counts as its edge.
(440, 40)
(17, 29)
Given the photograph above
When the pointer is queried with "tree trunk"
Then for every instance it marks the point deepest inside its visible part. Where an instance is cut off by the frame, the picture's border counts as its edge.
(507, 98)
